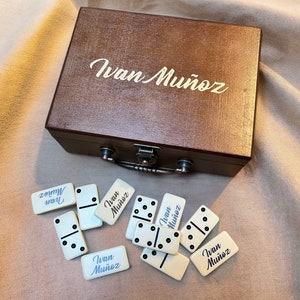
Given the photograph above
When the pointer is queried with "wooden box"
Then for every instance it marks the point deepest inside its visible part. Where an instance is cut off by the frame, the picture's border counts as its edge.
(156, 93)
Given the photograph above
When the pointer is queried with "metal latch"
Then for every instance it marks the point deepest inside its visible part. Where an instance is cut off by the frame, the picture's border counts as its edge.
(147, 157)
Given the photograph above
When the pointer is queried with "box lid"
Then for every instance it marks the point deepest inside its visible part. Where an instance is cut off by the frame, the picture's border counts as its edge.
(161, 80)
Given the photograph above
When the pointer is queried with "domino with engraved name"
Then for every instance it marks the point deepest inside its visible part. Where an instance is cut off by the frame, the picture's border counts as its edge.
(114, 202)
(156, 237)
(143, 210)
(70, 236)
(213, 254)
(87, 197)
(170, 211)
(104, 262)
(53, 198)
(198, 228)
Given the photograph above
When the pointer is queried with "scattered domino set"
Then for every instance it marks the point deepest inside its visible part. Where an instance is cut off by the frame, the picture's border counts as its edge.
(160, 239)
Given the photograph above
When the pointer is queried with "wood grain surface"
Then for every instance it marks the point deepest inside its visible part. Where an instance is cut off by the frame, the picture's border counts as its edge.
(171, 82)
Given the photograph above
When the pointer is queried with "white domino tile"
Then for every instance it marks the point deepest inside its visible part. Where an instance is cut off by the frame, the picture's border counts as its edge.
(170, 211)
(114, 202)
(156, 237)
(213, 254)
(104, 262)
(87, 202)
(70, 236)
(172, 265)
(53, 198)
(161, 240)
(143, 210)
(198, 228)
(169, 215)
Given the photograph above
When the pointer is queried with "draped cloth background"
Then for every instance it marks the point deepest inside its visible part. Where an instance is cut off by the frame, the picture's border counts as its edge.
(259, 207)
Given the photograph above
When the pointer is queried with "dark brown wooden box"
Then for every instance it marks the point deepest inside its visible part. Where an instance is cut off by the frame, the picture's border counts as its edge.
(156, 89)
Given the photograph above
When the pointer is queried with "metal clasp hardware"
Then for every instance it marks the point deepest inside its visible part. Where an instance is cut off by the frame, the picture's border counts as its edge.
(106, 153)
(185, 166)
(147, 158)
(146, 155)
